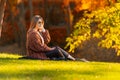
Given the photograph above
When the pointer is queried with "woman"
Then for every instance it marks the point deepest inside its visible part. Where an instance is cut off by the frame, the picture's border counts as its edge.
(37, 40)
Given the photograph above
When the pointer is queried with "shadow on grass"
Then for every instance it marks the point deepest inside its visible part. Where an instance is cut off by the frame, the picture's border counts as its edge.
(47, 74)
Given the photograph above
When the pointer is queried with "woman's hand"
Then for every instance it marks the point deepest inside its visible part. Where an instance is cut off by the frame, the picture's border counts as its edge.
(41, 29)
(53, 48)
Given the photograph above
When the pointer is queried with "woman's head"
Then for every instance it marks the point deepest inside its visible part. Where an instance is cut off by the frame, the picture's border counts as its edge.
(36, 22)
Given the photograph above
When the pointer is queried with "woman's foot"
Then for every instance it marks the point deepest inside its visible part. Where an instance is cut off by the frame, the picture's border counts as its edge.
(71, 58)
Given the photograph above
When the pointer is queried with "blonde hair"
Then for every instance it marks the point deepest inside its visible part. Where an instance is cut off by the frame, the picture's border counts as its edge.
(34, 22)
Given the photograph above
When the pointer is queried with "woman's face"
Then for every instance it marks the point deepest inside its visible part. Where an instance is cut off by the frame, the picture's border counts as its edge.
(40, 24)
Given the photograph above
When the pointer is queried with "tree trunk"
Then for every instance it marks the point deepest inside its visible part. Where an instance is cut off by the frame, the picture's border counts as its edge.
(22, 26)
(12, 20)
(46, 14)
(68, 15)
(2, 8)
(31, 9)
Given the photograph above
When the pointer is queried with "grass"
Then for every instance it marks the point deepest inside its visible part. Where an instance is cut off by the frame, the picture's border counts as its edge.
(12, 68)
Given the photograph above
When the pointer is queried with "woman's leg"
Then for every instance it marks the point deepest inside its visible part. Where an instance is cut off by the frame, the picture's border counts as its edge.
(55, 54)
(66, 54)
(63, 52)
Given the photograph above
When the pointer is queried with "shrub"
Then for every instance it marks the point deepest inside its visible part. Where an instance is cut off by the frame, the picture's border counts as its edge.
(103, 24)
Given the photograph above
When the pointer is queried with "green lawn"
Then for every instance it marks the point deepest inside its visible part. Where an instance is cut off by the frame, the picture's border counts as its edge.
(12, 68)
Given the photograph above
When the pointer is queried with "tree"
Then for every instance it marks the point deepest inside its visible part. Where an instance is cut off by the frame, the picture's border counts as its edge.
(17, 19)
(66, 4)
(11, 10)
(2, 8)
(22, 26)
(31, 9)
(103, 24)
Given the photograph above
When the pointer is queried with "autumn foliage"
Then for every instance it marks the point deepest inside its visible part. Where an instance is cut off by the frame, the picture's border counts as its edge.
(103, 24)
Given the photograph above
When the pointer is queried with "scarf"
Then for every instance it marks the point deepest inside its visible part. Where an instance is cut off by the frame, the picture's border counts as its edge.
(41, 38)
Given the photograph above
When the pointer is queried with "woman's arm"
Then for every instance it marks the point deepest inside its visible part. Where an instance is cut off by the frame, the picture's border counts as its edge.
(36, 43)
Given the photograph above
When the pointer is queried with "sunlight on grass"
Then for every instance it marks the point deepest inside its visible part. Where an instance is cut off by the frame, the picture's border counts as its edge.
(21, 69)
(6, 55)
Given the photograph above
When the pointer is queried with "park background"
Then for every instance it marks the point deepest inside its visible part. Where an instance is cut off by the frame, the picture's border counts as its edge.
(88, 29)
(60, 18)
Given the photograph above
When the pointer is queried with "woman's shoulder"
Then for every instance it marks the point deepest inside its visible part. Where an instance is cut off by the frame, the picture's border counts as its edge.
(32, 33)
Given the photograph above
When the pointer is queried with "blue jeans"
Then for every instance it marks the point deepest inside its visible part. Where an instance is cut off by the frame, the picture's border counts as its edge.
(57, 53)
